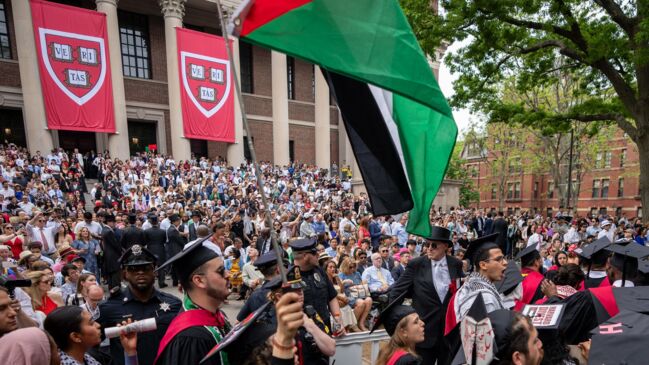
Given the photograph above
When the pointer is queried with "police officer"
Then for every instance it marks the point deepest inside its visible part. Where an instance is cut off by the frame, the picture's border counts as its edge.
(314, 337)
(319, 292)
(140, 300)
(267, 264)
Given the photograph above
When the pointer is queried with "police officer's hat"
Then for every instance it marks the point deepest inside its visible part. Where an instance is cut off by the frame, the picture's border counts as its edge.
(196, 213)
(266, 260)
(293, 280)
(304, 244)
(137, 255)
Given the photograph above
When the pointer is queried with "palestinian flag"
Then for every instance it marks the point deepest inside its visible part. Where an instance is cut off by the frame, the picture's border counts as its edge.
(399, 124)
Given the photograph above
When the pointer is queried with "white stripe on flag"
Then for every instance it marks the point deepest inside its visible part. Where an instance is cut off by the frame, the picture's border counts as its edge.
(383, 99)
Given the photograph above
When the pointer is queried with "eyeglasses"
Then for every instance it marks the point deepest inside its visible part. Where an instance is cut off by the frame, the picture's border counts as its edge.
(48, 282)
(384, 251)
(499, 259)
(9, 228)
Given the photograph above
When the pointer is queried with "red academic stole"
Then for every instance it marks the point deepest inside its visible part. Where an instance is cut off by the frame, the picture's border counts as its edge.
(532, 280)
(190, 318)
(396, 356)
(602, 284)
(604, 295)
(451, 319)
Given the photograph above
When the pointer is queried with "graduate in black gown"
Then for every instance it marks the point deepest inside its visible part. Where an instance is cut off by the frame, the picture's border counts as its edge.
(406, 330)
(200, 324)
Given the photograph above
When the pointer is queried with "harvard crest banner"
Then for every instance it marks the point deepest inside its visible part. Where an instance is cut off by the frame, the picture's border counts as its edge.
(72, 50)
(206, 86)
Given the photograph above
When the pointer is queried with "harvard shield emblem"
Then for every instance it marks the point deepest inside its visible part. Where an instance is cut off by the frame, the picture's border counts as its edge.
(206, 80)
(76, 62)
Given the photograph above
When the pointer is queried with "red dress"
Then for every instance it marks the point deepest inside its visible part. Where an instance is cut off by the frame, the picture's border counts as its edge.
(47, 305)
(16, 246)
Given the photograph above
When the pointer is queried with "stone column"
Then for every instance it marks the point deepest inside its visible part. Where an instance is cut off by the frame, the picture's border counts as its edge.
(39, 137)
(117, 142)
(235, 150)
(173, 11)
(322, 128)
(280, 109)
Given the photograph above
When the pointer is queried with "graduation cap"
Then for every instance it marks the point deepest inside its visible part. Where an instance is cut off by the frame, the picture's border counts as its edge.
(510, 281)
(477, 333)
(621, 340)
(643, 266)
(595, 252)
(239, 343)
(392, 314)
(526, 254)
(190, 258)
(478, 245)
(595, 248)
(625, 257)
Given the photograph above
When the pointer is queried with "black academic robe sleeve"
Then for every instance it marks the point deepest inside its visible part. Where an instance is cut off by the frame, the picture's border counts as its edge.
(189, 347)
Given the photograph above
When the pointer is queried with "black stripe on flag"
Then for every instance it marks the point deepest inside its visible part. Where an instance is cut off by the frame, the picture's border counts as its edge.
(376, 154)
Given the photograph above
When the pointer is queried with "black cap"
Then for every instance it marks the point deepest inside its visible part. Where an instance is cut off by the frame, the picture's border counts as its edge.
(266, 260)
(190, 258)
(625, 257)
(174, 217)
(392, 314)
(304, 244)
(512, 278)
(595, 248)
(137, 255)
(196, 213)
(643, 266)
(132, 218)
(478, 245)
(239, 343)
(293, 280)
(526, 251)
(621, 340)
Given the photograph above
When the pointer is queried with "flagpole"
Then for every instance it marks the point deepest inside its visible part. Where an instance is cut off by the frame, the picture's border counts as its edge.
(253, 154)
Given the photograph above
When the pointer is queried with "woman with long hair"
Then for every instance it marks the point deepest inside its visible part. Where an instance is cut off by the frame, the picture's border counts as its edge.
(87, 247)
(360, 301)
(63, 236)
(347, 314)
(406, 330)
(85, 281)
(39, 292)
(363, 229)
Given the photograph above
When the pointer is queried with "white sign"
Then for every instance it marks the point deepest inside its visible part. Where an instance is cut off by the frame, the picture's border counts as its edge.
(88, 56)
(198, 72)
(62, 52)
(207, 93)
(77, 77)
(217, 75)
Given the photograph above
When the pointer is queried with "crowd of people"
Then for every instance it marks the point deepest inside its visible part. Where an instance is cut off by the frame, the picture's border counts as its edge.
(77, 259)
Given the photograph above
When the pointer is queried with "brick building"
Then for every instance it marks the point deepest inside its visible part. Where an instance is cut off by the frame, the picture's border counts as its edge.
(287, 101)
(610, 185)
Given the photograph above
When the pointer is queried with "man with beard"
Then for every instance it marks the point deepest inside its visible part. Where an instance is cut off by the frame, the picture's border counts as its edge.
(140, 300)
(201, 324)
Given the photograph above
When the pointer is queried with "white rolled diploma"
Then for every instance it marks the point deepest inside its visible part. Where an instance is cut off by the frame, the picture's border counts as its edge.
(144, 325)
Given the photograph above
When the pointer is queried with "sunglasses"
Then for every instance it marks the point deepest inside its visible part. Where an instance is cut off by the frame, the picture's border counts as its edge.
(382, 251)
(136, 268)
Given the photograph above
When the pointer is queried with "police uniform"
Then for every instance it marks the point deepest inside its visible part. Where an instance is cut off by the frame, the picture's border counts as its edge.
(308, 351)
(319, 291)
(260, 295)
(161, 306)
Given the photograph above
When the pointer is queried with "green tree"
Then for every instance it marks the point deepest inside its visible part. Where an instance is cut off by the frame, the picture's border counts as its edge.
(604, 42)
(456, 171)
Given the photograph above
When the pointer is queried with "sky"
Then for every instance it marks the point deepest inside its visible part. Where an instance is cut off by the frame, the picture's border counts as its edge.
(463, 117)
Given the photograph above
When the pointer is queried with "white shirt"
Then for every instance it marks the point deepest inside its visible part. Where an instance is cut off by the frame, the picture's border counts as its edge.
(441, 277)
(627, 284)
(48, 232)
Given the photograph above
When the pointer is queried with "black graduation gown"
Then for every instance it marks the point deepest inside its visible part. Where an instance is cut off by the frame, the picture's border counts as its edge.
(189, 347)
(579, 317)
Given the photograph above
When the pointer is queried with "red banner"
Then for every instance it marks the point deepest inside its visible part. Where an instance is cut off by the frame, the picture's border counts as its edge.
(74, 67)
(206, 86)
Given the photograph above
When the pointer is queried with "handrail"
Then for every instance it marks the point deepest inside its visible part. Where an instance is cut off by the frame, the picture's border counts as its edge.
(349, 348)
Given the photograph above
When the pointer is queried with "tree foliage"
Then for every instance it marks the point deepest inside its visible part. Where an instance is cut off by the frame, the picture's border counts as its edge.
(456, 171)
(603, 43)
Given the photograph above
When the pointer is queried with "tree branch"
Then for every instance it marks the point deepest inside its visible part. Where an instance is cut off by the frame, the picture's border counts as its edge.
(617, 14)
(620, 119)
